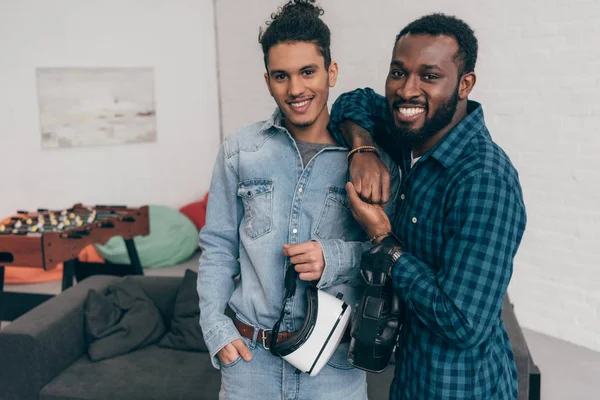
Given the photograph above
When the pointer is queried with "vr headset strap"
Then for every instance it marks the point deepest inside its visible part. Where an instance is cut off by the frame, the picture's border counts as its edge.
(290, 279)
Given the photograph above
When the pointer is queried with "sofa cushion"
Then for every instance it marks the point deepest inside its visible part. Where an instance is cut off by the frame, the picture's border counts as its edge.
(185, 333)
(152, 373)
(162, 290)
(120, 319)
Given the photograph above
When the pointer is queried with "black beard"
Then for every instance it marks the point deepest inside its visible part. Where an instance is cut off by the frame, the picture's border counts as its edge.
(442, 117)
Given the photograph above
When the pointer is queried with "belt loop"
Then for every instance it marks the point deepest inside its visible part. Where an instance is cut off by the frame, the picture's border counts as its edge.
(255, 336)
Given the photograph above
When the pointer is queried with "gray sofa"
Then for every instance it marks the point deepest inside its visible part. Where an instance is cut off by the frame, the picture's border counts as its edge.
(43, 356)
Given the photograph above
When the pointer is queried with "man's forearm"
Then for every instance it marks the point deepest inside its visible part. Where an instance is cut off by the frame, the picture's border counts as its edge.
(354, 135)
(361, 107)
(450, 319)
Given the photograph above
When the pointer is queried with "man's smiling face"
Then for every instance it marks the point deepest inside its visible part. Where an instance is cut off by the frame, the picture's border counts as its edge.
(422, 87)
(299, 82)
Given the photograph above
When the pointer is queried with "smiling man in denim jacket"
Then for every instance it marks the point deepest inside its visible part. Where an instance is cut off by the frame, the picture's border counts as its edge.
(278, 195)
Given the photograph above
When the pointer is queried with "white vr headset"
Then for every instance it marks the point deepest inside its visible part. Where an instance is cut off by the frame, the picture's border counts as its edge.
(311, 346)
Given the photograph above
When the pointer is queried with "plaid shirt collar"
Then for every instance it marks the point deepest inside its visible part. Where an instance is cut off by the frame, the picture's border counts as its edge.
(448, 150)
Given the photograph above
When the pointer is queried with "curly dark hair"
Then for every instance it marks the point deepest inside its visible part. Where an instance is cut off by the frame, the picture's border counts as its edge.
(448, 25)
(296, 21)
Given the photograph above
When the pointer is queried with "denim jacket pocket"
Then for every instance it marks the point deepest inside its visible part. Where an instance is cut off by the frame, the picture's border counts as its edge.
(336, 220)
(251, 346)
(231, 364)
(257, 196)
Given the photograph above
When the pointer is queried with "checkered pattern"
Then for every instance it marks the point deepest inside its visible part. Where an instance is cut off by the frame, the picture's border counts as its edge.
(461, 217)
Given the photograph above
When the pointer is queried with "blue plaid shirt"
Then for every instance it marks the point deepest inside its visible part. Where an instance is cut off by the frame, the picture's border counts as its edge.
(460, 216)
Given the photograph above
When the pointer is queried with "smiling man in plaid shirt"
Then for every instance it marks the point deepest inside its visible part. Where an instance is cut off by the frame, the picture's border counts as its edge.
(459, 220)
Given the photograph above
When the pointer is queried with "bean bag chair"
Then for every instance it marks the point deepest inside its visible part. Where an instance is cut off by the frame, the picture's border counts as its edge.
(173, 239)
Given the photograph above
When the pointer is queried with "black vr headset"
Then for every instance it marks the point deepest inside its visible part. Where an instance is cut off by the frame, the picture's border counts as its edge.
(376, 325)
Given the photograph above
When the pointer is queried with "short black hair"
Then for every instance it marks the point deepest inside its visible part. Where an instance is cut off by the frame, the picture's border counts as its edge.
(297, 21)
(448, 25)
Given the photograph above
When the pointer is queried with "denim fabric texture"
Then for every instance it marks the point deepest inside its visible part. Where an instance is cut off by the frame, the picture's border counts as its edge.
(269, 377)
(261, 197)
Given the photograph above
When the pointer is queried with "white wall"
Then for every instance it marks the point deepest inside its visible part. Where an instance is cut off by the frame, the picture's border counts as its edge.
(539, 81)
(176, 38)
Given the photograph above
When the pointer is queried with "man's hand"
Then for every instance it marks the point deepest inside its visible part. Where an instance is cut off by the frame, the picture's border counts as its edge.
(307, 259)
(371, 217)
(233, 350)
(370, 177)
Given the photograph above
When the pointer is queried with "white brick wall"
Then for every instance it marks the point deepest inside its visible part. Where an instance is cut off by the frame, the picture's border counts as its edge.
(539, 82)
(175, 38)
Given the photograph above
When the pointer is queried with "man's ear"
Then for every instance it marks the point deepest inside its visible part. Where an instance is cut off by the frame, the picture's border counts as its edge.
(332, 73)
(467, 82)
(268, 85)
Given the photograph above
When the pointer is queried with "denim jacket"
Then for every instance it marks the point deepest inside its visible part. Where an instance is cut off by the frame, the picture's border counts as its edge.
(261, 197)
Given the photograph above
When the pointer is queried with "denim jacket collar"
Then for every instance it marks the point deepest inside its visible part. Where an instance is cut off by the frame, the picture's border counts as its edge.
(276, 121)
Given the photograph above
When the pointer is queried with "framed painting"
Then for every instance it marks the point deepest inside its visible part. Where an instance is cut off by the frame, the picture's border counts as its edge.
(96, 106)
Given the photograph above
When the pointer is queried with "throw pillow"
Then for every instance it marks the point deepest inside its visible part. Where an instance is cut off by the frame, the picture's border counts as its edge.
(196, 212)
(185, 333)
(120, 319)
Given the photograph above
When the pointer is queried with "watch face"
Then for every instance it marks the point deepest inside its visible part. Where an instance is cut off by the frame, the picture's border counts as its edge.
(396, 255)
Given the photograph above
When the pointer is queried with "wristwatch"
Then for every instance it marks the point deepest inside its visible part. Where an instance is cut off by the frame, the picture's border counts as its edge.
(396, 255)
(392, 243)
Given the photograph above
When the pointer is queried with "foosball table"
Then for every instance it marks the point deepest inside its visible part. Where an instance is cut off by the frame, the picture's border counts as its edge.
(45, 238)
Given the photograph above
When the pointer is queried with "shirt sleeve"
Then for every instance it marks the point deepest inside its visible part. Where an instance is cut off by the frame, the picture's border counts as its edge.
(342, 262)
(342, 259)
(463, 299)
(219, 242)
(362, 106)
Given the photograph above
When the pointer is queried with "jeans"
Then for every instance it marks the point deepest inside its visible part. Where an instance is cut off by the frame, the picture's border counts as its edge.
(269, 377)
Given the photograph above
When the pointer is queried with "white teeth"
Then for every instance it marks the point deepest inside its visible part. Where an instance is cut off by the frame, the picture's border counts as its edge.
(409, 112)
(299, 105)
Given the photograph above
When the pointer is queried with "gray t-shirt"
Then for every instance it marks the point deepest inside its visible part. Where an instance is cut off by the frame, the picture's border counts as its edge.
(308, 150)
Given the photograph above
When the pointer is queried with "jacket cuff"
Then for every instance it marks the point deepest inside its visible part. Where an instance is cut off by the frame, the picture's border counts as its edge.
(218, 338)
(342, 262)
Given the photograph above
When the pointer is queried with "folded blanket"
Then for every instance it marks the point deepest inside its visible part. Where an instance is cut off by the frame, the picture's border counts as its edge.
(120, 320)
